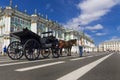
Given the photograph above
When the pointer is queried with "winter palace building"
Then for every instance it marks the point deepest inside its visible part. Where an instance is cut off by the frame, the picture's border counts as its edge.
(110, 46)
(11, 19)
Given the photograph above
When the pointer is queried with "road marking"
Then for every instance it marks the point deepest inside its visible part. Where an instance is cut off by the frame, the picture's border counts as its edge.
(1, 59)
(39, 66)
(77, 59)
(9, 64)
(7, 61)
(16, 63)
(75, 75)
(84, 57)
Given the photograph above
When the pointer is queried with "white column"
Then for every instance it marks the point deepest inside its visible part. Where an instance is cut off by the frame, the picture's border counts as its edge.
(72, 36)
(63, 36)
(6, 41)
(6, 31)
(57, 34)
(34, 23)
(7, 24)
(34, 27)
(46, 29)
(0, 30)
(53, 32)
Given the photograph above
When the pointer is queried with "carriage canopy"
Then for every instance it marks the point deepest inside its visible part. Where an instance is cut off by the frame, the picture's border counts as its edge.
(25, 34)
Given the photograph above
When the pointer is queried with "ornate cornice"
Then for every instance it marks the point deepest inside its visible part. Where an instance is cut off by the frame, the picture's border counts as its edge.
(21, 15)
(8, 12)
(34, 19)
(6, 37)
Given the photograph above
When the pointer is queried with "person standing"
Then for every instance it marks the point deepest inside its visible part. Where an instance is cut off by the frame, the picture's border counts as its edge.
(4, 50)
(80, 47)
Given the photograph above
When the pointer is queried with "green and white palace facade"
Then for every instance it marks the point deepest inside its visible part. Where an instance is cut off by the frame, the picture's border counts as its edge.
(11, 19)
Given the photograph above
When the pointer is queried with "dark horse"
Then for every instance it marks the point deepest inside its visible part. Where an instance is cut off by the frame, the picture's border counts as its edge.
(67, 45)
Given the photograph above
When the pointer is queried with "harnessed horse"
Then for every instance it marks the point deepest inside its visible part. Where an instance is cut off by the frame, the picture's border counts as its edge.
(67, 45)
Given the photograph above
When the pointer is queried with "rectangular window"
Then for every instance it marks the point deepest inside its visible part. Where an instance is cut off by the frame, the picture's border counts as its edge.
(12, 19)
(15, 19)
(23, 22)
(18, 20)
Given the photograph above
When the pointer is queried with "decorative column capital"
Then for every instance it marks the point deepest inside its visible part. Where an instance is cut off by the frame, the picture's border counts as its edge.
(8, 11)
(34, 18)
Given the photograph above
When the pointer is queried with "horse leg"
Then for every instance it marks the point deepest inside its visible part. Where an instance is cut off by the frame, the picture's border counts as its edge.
(67, 51)
(68, 54)
(60, 51)
(70, 51)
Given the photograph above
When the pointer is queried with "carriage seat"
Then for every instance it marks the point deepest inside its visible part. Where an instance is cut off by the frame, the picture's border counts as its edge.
(48, 45)
(45, 44)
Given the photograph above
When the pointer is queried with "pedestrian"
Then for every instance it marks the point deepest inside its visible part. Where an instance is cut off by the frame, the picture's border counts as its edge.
(5, 50)
(80, 47)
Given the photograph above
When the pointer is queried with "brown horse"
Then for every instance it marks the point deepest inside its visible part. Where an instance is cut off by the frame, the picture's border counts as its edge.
(67, 45)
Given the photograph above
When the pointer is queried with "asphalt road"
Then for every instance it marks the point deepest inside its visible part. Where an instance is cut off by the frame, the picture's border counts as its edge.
(97, 66)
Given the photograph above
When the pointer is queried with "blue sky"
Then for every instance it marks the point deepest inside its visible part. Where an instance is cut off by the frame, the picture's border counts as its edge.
(99, 19)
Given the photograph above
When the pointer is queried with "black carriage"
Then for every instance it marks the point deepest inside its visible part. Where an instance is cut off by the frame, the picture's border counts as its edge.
(31, 45)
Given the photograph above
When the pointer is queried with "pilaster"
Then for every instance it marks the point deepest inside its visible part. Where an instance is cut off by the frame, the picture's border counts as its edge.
(63, 36)
(34, 23)
(8, 13)
(6, 29)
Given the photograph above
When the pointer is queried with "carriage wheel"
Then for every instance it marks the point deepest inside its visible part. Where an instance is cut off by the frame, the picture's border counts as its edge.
(45, 53)
(55, 52)
(15, 50)
(32, 49)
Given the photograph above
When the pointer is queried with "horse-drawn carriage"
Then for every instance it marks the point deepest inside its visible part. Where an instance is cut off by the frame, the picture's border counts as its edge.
(31, 45)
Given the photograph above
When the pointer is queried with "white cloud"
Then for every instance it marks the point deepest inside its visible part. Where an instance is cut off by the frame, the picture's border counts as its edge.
(100, 34)
(117, 1)
(114, 38)
(93, 28)
(91, 10)
(118, 28)
(51, 10)
(48, 7)
(88, 35)
(94, 31)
